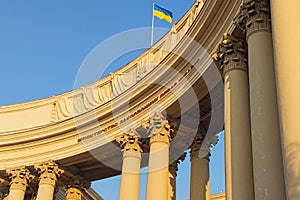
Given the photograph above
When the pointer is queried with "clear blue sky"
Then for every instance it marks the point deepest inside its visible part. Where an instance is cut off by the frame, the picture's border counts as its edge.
(43, 44)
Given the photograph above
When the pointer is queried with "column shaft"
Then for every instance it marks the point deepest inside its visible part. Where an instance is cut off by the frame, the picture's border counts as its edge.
(238, 158)
(268, 180)
(172, 181)
(45, 192)
(130, 180)
(285, 23)
(264, 119)
(199, 181)
(158, 172)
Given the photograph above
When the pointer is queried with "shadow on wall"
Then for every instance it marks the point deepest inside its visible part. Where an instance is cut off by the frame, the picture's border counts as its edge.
(293, 170)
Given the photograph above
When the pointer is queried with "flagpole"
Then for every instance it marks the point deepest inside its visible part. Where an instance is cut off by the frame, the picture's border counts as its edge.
(152, 31)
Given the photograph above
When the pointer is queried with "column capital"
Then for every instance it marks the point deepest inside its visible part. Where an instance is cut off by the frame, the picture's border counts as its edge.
(196, 145)
(73, 193)
(254, 16)
(77, 182)
(232, 54)
(20, 177)
(49, 172)
(75, 186)
(159, 128)
(130, 144)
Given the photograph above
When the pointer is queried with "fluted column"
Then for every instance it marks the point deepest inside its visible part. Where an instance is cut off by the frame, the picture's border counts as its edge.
(266, 144)
(286, 29)
(238, 153)
(199, 180)
(20, 178)
(130, 179)
(158, 172)
(49, 172)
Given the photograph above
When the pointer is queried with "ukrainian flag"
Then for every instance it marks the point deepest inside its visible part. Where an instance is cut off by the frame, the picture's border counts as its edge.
(162, 13)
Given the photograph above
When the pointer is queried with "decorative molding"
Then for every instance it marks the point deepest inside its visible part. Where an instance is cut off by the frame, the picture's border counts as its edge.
(49, 172)
(20, 177)
(254, 16)
(232, 54)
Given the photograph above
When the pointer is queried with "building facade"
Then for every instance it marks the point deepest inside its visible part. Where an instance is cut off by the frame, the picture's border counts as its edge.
(231, 59)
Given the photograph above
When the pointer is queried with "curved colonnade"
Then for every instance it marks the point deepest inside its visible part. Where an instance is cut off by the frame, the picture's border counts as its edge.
(74, 138)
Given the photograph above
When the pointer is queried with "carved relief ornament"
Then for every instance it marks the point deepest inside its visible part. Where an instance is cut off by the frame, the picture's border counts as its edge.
(159, 129)
(129, 142)
(232, 54)
(254, 16)
(49, 172)
(20, 177)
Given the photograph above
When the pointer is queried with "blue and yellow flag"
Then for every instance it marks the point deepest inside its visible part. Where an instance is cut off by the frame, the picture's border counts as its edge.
(162, 13)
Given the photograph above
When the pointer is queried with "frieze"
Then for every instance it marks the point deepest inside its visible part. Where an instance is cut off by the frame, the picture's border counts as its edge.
(139, 110)
(96, 94)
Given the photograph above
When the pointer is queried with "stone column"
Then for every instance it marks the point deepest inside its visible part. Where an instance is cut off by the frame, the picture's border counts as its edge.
(20, 178)
(158, 170)
(266, 144)
(238, 153)
(130, 179)
(73, 193)
(286, 29)
(74, 187)
(173, 168)
(199, 181)
(49, 172)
